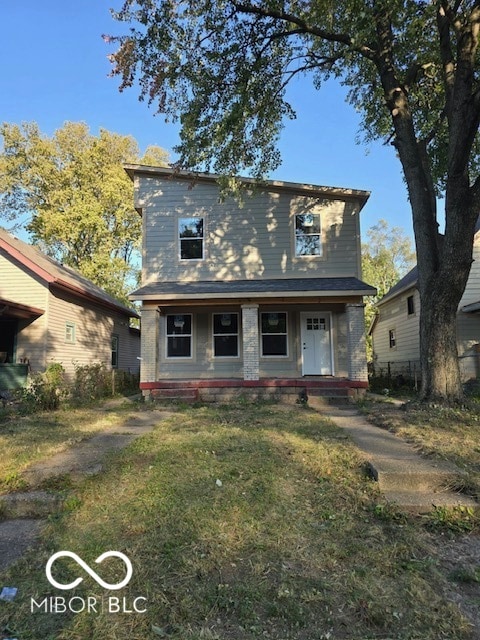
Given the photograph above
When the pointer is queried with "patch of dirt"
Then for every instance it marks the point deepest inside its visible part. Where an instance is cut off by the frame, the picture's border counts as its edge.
(459, 560)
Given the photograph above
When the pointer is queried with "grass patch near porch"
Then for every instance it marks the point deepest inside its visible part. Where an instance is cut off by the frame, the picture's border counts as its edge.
(241, 522)
(29, 438)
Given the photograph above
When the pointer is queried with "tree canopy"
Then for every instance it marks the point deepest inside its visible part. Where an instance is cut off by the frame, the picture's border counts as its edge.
(77, 197)
(222, 69)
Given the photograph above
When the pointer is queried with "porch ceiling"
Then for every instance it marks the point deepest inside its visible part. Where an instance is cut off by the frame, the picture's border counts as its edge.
(254, 289)
(9, 309)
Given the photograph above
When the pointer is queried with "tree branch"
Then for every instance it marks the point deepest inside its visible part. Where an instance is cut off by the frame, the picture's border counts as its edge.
(341, 38)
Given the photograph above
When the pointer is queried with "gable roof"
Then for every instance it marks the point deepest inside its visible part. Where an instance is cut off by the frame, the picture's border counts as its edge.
(407, 282)
(172, 173)
(58, 275)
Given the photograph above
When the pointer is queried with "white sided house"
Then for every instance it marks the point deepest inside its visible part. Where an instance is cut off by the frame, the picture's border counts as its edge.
(266, 293)
(51, 313)
(396, 330)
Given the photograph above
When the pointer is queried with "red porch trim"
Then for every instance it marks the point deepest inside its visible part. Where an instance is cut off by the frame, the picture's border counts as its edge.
(334, 383)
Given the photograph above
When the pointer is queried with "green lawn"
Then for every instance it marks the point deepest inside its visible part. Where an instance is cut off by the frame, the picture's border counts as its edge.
(241, 522)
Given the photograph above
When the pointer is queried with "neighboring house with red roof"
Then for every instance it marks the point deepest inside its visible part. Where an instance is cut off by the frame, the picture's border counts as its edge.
(265, 293)
(51, 313)
(395, 330)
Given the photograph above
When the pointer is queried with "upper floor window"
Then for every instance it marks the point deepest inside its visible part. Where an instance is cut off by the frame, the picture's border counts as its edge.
(308, 236)
(190, 233)
(410, 305)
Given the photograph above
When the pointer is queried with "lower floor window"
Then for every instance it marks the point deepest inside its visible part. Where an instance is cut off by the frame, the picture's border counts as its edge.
(115, 342)
(274, 334)
(179, 336)
(225, 335)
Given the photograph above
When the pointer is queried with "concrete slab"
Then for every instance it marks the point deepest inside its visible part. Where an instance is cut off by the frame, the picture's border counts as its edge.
(404, 476)
(16, 537)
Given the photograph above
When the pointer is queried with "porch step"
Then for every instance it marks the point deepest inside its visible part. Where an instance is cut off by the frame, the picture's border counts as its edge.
(180, 394)
(318, 396)
(406, 473)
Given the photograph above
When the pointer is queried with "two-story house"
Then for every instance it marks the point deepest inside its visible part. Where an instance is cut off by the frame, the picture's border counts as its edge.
(265, 292)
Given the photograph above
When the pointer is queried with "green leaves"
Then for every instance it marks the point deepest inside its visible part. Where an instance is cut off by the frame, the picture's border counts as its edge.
(78, 197)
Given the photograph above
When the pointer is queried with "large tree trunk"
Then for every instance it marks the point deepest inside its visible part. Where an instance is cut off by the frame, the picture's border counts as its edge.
(438, 344)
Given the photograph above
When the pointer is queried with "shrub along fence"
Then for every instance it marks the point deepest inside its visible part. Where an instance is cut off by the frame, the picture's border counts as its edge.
(50, 389)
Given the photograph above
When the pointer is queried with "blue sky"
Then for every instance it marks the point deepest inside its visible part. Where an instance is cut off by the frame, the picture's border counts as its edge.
(55, 69)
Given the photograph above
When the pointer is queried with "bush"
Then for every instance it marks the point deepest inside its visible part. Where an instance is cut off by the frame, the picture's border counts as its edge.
(92, 381)
(46, 390)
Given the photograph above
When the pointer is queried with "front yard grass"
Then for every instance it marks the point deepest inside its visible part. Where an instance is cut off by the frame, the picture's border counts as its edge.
(24, 439)
(241, 522)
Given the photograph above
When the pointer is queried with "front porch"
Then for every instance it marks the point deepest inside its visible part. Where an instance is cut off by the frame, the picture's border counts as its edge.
(286, 389)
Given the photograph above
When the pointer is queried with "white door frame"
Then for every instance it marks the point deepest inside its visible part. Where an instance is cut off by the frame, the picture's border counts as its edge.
(303, 315)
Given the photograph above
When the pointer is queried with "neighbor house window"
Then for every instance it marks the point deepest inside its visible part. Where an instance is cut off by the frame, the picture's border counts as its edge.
(190, 232)
(410, 306)
(225, 335)
(70, 332)
(179, 336)
(115, 343)
(274, 333)
(392, 340)
(308, 238)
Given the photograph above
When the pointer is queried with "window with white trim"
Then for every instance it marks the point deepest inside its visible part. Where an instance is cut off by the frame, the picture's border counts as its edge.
(179, 335)
(225, 335)
(392, 338)
(274, 337)
(190, 234)
(308, 234)
(70, 332)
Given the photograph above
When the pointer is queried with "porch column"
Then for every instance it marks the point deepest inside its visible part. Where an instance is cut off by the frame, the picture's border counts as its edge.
(149, 344)
(251, 355)
(357, 353)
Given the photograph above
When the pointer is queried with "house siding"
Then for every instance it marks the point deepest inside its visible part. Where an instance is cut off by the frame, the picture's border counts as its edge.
(94, 328)
(393, 315)
(251, 240)
(18, 285)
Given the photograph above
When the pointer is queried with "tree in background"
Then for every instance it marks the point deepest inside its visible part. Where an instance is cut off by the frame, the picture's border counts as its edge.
(386, 257)
(222, 69)
(77, 197)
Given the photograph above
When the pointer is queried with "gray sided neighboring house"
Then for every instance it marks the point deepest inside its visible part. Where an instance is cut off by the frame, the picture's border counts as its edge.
(51, 313)
(396, 330)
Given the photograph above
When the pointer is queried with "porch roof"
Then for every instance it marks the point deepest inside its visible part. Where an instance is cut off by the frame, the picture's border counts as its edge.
(287, 288)
(9, 309)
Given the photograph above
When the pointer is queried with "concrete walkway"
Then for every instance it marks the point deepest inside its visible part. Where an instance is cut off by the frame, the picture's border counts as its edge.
(406, 479)
(24, 513)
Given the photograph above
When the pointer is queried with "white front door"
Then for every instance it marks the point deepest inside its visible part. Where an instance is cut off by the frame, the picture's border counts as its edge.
(316, 344)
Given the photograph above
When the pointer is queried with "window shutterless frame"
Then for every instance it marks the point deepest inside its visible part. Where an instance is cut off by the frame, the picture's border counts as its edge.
(70, 331)
(115, 346)
(274, 334)
(179, 335)
(191, 238)
(225, 330)
(308, 235)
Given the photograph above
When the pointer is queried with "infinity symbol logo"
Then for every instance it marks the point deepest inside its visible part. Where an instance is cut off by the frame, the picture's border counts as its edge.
(87, 569)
